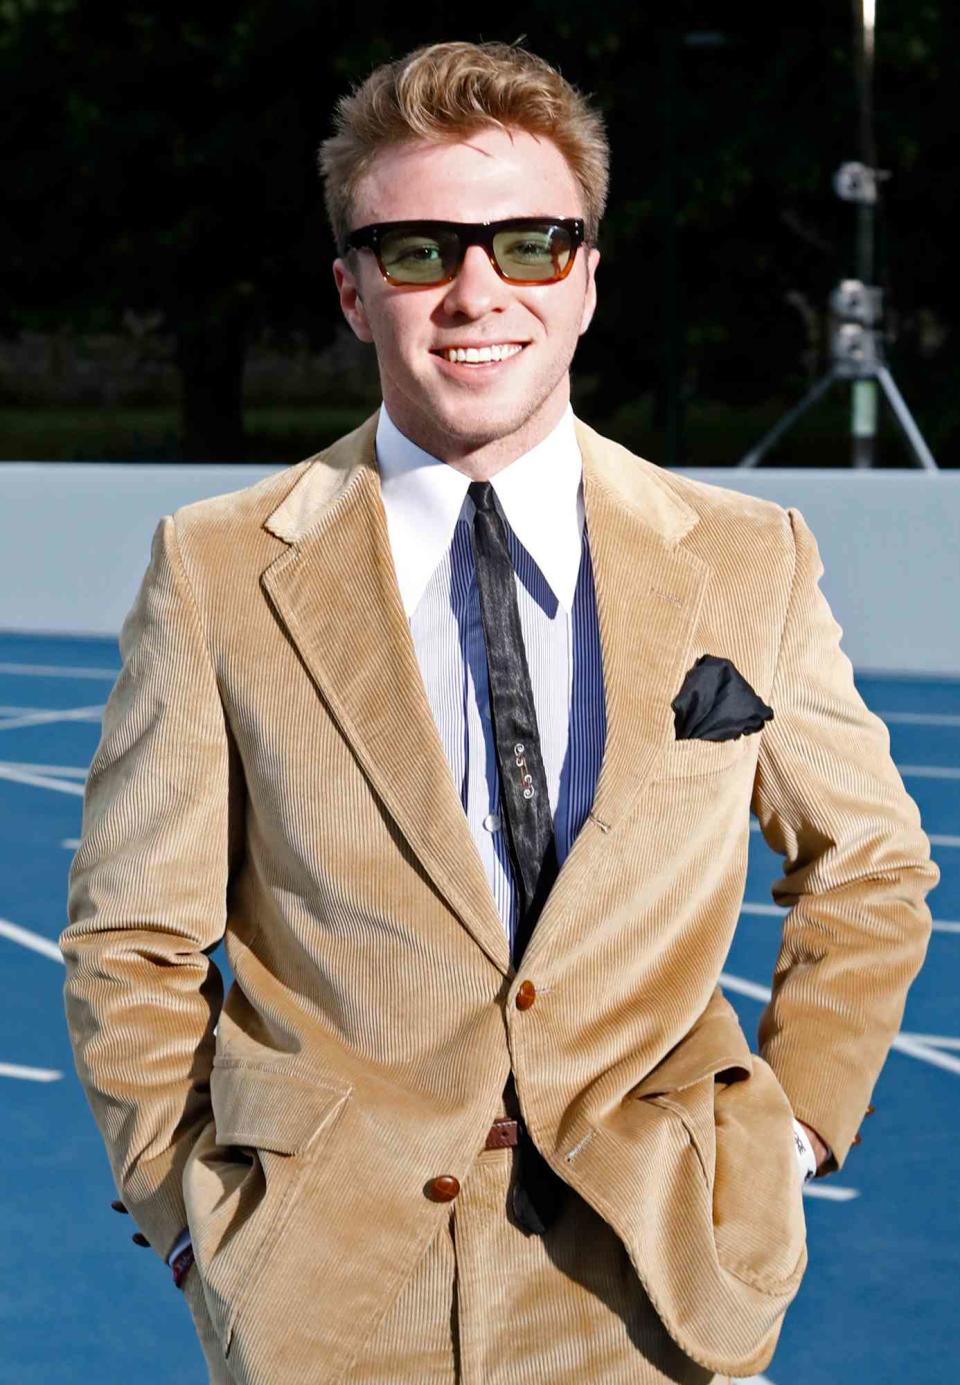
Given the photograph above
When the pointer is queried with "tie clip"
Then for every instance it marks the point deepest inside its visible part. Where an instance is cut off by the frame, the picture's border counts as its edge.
(526, 778)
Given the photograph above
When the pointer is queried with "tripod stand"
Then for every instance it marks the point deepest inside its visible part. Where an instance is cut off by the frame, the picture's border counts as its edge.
(856, 305)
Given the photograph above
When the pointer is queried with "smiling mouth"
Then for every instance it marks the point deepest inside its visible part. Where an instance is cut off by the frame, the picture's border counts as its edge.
(479, 355)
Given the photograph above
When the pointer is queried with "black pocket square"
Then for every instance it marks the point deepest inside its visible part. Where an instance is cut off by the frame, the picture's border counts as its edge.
(716, 703)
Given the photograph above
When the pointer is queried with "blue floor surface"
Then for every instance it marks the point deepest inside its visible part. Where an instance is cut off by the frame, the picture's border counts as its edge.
(879, 1302)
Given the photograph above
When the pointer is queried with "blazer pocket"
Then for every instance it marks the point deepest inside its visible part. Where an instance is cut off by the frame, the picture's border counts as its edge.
(759, 1220)
(277, 1123)
(272, 1108)
(715, 1045)
(742, 1135)
(686, 759)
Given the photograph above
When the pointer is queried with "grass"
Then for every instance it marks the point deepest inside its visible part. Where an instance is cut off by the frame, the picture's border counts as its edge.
(715, 433)
(135, 434)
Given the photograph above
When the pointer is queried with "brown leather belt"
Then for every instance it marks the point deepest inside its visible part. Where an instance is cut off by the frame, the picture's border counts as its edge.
(502, 1133)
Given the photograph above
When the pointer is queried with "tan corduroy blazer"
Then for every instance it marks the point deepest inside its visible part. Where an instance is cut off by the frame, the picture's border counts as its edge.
(269, 769)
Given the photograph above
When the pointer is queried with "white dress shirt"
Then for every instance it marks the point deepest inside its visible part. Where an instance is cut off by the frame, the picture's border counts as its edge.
(429, 520)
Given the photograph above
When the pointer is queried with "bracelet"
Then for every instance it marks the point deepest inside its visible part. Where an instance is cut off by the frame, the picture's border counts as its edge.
(181, 1264)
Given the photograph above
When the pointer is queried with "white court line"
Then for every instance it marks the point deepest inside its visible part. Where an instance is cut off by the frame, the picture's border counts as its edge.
(58, 671)
(911, 1045)
(25, 938)
(935, 838)
(41, 781)
(927, 1053)
(929, 772)
(829, 1192)
(939, 925)
(47, 718)
(933, 1040)
(30, 1074)
(921, 718)
(28, 766)
(751, 989)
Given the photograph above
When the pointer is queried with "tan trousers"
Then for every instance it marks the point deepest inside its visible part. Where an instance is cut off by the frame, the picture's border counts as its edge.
(488, 1304)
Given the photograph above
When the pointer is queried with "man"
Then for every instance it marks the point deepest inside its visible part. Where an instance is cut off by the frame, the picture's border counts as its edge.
(453, 731)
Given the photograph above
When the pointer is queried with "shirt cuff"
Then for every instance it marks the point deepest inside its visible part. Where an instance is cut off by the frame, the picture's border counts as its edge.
(806, 1157)
(182, 1240)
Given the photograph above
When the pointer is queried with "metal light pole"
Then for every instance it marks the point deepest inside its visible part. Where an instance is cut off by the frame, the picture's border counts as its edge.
(863, 389)
(856, 305)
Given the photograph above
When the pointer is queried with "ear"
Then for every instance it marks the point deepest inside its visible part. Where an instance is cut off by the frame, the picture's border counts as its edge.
(351, 304)
(590, 295)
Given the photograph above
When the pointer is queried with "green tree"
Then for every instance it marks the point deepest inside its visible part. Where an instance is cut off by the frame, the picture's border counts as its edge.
(165, 158)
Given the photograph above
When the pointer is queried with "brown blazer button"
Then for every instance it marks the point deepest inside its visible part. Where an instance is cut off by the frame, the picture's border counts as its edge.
(857, 1138)
(117, 1205)
(444, 1188)
(139, 1239)
(526, 995)
(870, 1110)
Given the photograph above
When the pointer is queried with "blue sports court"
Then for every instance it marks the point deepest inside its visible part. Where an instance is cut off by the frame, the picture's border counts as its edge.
(82, 1302)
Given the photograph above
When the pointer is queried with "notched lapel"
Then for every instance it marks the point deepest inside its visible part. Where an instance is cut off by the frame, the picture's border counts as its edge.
(649, 593)
(335, 590)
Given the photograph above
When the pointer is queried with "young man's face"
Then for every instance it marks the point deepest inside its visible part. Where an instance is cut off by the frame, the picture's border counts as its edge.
(453, 410)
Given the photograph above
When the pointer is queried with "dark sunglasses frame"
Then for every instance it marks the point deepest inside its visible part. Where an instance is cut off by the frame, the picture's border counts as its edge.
(468, 233)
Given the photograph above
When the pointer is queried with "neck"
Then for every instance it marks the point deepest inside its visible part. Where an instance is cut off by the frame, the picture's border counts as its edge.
(482, 457)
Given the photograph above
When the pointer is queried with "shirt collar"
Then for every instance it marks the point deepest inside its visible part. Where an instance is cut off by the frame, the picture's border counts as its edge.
(540, 494)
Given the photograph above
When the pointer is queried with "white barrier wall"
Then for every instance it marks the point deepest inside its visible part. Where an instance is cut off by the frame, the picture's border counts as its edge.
(891, 557)
(75, 539)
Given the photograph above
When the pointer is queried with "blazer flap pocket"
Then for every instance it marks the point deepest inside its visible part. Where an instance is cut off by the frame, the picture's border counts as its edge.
(271, 1109)
(716, 1044)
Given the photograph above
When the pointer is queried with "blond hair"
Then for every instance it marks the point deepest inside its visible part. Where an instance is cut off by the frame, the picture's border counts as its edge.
(445, 91)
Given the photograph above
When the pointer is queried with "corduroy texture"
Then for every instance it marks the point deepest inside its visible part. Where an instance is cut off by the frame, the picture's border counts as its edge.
(488, 1305)
(269, 768)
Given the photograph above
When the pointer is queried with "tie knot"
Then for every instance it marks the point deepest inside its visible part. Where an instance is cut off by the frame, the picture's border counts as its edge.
(481, 493)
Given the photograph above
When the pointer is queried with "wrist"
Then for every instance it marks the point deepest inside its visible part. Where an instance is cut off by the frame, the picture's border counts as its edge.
(820, 1149)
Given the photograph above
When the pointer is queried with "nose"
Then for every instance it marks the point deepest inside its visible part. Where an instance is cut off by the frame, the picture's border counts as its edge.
(477, 289)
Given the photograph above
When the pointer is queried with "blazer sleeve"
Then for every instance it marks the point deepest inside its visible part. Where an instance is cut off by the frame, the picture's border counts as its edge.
(857, 868)
(147, 897)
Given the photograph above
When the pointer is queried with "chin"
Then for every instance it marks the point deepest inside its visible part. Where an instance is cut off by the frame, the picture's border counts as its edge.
(481, 423)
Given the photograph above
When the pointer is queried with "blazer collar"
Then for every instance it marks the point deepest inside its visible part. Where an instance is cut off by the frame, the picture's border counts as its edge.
(627, 478)
(335, 590)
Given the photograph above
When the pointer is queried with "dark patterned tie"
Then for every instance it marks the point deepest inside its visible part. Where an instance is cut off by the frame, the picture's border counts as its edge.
(523, 782)
(523, 795)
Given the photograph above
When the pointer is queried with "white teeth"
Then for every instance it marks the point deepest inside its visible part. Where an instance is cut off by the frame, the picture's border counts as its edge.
(479, 355)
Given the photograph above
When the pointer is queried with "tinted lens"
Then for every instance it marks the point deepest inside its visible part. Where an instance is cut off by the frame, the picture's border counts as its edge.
(410, 257)
(542, 252)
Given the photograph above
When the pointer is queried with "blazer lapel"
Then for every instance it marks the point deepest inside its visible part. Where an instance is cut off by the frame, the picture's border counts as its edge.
(335, 590)
(649, 593)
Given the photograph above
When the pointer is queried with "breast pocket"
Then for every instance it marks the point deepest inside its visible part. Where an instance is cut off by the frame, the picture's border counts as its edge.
(694, 756)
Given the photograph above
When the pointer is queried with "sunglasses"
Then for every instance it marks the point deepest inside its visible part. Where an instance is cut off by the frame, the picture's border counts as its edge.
(522, 249)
